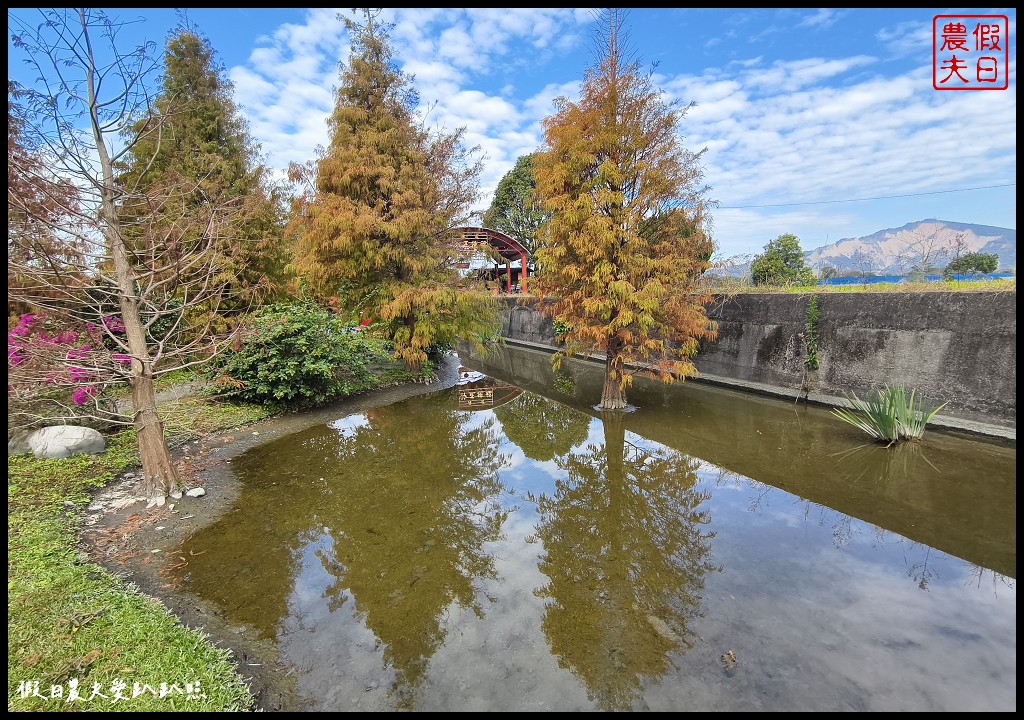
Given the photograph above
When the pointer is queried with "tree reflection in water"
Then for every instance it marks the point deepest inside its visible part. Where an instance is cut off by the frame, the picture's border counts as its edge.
(543, 429)
(412, 541)
(626, 549)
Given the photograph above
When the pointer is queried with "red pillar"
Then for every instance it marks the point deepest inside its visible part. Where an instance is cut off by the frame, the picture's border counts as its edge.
(508, 275)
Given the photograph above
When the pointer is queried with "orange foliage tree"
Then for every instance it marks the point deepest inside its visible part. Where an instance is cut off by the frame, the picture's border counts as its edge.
(375, 229)
(623, 255)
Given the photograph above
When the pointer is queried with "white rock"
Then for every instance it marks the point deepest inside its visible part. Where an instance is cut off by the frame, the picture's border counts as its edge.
(61, 441)
(195, 492)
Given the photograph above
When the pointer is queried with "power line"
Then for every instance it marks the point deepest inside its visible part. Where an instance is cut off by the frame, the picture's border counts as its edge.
(880, 197)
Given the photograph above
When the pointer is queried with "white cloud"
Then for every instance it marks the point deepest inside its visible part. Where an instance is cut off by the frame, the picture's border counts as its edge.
(251, 86)
(286, 87)
(823, 18)
(542, 104)
(908, 37)
(771, 144)
(790, 131)
(795, 74)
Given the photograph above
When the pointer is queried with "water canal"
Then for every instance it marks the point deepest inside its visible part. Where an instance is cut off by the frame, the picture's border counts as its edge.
(500, 545)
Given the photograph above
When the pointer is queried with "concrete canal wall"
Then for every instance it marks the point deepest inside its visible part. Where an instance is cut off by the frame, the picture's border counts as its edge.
(954, 347)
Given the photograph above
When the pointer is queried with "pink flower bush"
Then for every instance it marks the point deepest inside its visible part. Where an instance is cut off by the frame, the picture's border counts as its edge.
(37, 356)
(83, 394)
(114, 324)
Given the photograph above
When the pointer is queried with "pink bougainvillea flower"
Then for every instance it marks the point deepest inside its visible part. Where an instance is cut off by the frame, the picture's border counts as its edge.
(114, 324)
(79, 353)
(82, 394)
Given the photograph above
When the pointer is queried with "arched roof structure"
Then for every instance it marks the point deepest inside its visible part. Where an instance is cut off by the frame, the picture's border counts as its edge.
(508, 248)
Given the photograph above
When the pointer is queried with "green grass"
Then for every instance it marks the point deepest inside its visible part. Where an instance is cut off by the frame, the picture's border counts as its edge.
(191, 417)
(68, 619)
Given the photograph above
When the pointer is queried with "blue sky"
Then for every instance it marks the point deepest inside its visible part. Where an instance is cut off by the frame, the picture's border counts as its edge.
(819, 122)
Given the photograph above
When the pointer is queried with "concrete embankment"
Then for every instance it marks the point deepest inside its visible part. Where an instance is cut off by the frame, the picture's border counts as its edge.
(958, 348)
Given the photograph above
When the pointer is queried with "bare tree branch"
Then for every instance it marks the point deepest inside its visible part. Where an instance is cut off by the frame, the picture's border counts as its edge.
(85, 245)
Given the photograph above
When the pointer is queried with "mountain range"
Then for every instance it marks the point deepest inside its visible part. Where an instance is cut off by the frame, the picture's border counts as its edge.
(896, 251)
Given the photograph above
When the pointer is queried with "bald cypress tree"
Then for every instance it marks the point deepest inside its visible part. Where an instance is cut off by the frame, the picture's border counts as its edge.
(143, 236)
(626, 245)
(375, 230)
(205, 161)
(38, 203)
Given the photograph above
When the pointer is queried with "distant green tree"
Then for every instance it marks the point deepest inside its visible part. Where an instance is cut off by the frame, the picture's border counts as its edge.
(516, 210)
(971, 263)
(782, 263)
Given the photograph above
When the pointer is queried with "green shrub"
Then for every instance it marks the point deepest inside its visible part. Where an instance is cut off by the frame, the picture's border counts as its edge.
(971, 264)
(889, 414)
(297, 355)
(782, 264)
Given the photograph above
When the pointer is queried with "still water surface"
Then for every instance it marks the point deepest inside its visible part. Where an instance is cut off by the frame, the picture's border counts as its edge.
(709, 551)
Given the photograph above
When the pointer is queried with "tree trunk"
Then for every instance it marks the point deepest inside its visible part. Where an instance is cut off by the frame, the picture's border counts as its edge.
(612, 396)
(157, 468)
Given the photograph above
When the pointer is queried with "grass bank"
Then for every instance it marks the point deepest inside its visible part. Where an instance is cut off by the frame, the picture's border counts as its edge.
(81, 639)
(727, 286)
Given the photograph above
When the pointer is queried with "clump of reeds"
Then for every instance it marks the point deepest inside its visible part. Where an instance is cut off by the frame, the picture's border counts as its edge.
(889, 415)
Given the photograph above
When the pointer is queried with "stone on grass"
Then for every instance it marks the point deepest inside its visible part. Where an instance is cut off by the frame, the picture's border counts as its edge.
(61, 441)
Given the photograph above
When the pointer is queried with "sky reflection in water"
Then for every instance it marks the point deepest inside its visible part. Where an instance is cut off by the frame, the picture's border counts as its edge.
(536, 556)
